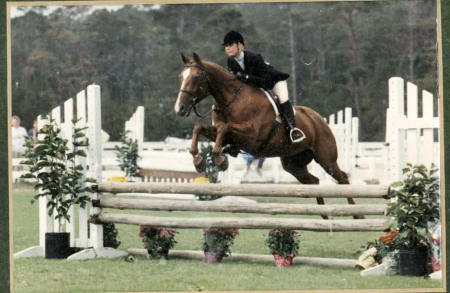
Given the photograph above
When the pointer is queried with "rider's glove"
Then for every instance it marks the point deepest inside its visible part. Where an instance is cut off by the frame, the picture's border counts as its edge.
(240, 75)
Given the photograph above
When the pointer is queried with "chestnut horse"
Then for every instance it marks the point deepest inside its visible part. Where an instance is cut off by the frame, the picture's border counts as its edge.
(244, 117)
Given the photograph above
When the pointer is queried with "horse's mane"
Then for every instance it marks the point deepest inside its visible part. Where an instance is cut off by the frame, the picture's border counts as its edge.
(218, 68)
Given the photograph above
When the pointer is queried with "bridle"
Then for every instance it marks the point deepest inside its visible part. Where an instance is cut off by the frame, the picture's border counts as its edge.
(198, 97)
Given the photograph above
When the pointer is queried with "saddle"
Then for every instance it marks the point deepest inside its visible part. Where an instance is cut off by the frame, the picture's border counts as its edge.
(275, 102)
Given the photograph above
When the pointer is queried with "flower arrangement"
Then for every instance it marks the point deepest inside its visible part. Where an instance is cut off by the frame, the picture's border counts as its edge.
(157, 240)
(217, 243)
(283, 245)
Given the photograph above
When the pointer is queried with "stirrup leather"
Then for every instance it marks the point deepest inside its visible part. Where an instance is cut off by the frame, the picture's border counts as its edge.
(298, 139)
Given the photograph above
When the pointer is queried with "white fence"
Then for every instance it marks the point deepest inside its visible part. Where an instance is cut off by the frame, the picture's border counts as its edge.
(135, 126)
(410, 137)
(88, 110)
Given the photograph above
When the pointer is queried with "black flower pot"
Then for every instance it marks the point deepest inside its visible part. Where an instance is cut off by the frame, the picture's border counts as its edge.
(57, 245)
(412, 261)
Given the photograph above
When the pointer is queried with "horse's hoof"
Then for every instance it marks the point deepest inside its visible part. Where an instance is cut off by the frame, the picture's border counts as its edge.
(221, 162)
(199, 164)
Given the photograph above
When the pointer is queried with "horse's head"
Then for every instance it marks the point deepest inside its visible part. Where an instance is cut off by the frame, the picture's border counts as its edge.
(194, 85)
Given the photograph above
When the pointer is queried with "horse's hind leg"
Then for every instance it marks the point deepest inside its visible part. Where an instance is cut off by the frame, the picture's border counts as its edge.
(341, 177)
(297, 166)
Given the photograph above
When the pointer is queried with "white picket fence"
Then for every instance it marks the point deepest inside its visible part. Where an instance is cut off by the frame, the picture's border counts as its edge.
(410, 136)
(135, 126)
(88, 110)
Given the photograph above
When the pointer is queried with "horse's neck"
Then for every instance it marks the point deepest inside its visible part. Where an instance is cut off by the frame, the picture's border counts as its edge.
(223, 87)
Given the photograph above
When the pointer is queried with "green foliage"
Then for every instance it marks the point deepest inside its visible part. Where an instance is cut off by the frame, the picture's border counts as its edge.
(110, 236)
(219, 239)
(211, 172)
(414, 205)
(157, 240)
(127, 155)
(51, 161)
(284, 242)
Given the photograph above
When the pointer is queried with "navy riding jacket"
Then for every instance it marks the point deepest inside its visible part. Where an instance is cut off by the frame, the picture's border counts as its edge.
(259, 73)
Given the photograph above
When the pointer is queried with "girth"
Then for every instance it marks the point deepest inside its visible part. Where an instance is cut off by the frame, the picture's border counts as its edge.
(273, 130)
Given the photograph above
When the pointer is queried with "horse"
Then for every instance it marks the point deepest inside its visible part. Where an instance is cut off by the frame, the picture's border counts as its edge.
(244, 117)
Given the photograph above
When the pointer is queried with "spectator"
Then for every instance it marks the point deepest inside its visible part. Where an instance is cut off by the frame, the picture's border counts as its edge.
(33, 132)
(248, 161)
(18, 134)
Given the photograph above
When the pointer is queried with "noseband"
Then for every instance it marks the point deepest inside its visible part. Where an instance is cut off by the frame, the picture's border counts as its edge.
(196, 95)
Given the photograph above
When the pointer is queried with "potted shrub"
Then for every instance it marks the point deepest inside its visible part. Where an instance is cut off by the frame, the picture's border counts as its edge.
(60, 180)
(283, 245)
(157, 240)
(415, 205)
(217, 243)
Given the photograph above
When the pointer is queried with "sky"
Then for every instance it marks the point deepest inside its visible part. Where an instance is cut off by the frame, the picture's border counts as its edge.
(15, 12)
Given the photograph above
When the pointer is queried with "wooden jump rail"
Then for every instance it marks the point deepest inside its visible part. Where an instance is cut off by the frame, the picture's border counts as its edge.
(267, 190)
(257, 222)
(250, 190)
(246, 223)
(241, 207)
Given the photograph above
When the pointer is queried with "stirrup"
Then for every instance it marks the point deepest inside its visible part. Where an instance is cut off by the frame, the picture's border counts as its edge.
(298, 139)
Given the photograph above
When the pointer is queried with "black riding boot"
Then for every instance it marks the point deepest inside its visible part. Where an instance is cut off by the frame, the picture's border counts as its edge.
(295, 134)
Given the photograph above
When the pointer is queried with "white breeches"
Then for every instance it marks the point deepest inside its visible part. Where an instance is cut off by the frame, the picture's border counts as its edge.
(281, 90)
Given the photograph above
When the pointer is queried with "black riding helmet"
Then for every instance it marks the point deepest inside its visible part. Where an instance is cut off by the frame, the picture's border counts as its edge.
(232, 37)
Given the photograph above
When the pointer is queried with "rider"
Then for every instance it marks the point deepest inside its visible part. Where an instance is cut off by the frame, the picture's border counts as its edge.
(250, 68)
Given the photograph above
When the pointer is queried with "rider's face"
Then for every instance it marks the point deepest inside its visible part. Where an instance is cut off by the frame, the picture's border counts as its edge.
(233, 50)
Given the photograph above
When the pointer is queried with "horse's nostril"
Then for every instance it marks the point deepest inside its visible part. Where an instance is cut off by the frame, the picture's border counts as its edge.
(181, 110)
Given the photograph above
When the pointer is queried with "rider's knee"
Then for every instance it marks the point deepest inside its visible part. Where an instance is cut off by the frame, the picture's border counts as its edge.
(281, 90)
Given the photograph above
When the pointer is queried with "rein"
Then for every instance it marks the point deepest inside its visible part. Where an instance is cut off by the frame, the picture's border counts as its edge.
(197, 100)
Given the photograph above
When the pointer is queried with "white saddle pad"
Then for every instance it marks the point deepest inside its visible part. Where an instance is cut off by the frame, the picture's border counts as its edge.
(275, 108)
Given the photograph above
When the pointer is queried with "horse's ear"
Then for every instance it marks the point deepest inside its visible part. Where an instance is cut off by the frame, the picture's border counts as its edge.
(197, 60)
(185, 60)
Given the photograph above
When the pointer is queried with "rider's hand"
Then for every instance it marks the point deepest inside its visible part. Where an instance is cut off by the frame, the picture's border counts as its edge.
(240, 75)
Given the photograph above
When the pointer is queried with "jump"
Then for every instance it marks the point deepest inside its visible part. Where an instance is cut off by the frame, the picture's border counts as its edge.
(244, 117)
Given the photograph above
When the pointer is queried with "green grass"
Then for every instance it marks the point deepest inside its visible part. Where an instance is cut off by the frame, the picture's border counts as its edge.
(41, 275)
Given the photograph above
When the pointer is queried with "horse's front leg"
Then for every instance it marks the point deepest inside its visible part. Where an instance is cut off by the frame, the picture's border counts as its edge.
(219, 159)
(210, 132)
